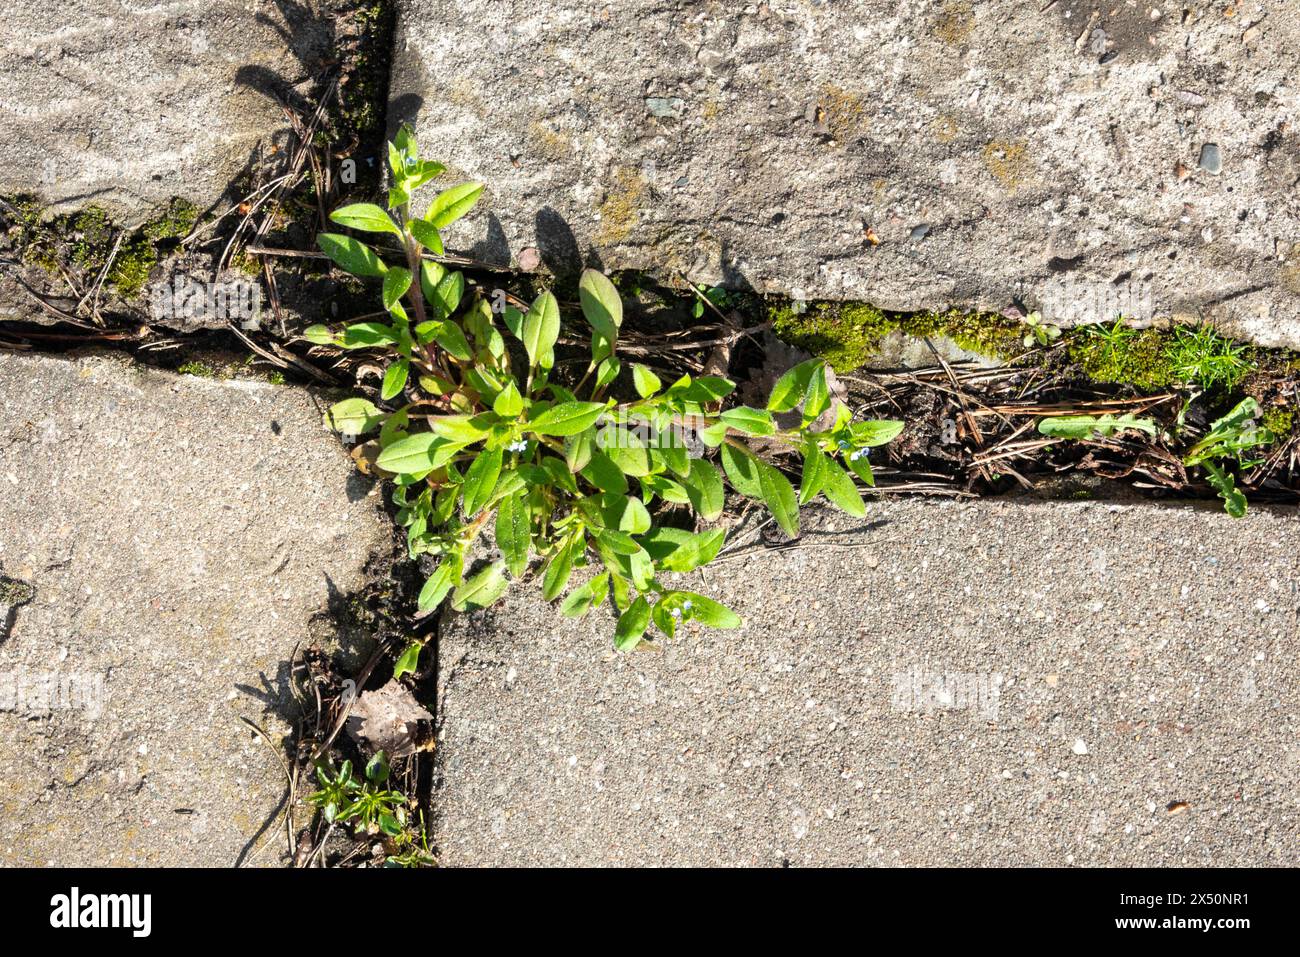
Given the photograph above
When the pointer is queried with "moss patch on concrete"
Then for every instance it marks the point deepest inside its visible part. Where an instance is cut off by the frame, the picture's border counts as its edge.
(1178, 357)
(848, 334)
(83, 242)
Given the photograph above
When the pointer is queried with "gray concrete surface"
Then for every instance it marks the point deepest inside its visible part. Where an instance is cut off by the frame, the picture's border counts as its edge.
(1117, 685)
(127, 104)
(913, 154)
(178, 534)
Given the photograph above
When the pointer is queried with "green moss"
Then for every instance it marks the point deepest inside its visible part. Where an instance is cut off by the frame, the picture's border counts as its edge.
(83, 241)
(131, 267)
(848, 334)
(174, 223)
(845, 334)
(197, 367)
(275, 378)
(91, 234)
(986, 333)
(1279, 419)
(1123, 355)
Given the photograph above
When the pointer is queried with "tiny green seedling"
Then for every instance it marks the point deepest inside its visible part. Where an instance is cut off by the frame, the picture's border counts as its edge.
(1039, 332)
(481, 436)
(341, 798)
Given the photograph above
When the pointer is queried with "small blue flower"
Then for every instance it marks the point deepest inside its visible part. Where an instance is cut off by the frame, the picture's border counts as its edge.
(677, 613)
(687, 604)
(520, 446)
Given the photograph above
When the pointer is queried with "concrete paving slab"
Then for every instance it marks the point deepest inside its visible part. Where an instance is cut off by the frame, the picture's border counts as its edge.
(164, 542)
(1086, 158)
(982, 684)
(127, 104)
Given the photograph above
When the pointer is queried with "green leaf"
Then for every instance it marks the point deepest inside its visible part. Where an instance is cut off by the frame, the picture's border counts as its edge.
(566, 418)
(355, 257)
(709, 388)
(451, 204)
(447, 294)
(814, 464)
(480, 480)
(426, 234)
(704, 488)
(676, 550)
(541, 329)
(626, 451)
(661, 615)
(741, 467)
(461, 428)
(778, 495)
(875, 432)
(482, 590)
(1234, 501)
(354, 416)
(665, 488)
(580, 600)
(1082, 427)
(452, 338)
(417, 454)
(709, 612)
(578, 449)
(513, 532)
(632, 625)
(395, 379)
(839, 489)
(431, 273)
(623, 513)
(713, 435)
(365, 335)
(790, 388)
(603, 309)
(396, 281)
(622, 595)
(558, 571)
(621, 543)
(319, 335)
(409, 660)
(508, 403)
(601, 472)
(367, 217)
(861, 467)
(749, 420)
(440, 583)
(817, 397)
(645, 381)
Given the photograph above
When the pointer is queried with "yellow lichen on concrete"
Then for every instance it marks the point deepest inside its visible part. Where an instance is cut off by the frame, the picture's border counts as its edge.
(956, 21)
(1291, 276)
(621, 208)
(1008, 163)
(547, 143)
(844, 111)
(944, 128)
